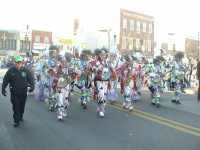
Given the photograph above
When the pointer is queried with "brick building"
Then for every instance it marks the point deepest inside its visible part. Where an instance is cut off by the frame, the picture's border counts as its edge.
(17, 42)
(41, 40)
(136, 33)
(191, 47)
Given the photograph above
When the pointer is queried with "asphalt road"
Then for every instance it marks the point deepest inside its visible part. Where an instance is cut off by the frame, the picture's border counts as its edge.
(171, 126)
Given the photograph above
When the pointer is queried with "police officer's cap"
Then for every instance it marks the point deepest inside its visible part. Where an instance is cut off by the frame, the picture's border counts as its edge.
(18, 58)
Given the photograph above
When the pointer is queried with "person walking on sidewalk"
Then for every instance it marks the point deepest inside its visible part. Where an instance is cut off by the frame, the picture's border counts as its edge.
(18, 77)
(198, 78)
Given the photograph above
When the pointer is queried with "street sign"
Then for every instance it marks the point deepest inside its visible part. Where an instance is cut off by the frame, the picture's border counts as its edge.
(83, 45)
(68, 42)
(13, 31)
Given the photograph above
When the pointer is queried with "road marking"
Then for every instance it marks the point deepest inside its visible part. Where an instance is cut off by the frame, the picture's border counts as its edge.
(154, 118)
(167, 122)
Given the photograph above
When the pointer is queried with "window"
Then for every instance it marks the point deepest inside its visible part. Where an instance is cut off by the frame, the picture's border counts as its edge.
(21, 45)
(130, 46)
(150, 28)
(11, 44)
(138, 26)
(124, 23)
(1, 44)
(145, 45)
(14, 44)
(8, 44)
(46, 40)
(192, 52)
(137, 44)
(37, 39)
(131, 25)
(24, 45)
(123, 42)
(144, 27)
(27, 46)
(149, 45)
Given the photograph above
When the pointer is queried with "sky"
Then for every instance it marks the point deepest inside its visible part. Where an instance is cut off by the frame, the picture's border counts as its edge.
(170, 16)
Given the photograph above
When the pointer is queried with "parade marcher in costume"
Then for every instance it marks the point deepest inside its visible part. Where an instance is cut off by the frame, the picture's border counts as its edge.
(81, 75)
(177, 69)
(51, 77)
(18, 77)
(29, 64)
(126, 72)
(144, 66)
(113, 81)
(101, 78)
(39, 75)
(63, 86)
(138, 73)
(155, 83)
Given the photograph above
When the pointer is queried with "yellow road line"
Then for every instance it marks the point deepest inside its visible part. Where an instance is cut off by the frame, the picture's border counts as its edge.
(164, 121)
(170, 123)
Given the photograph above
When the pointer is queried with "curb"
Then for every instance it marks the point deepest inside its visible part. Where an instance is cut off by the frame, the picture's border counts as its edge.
(191, 91)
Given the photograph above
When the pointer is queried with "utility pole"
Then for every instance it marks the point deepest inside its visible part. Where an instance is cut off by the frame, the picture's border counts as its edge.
(198, 47)
(108, 38)
(172, 47)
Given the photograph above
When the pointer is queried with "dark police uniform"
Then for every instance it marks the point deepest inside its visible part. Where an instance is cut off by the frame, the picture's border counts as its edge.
(18, 81)
(198, 76)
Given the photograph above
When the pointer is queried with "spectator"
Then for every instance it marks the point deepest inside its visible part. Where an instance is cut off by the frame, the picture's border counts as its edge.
(198, 78)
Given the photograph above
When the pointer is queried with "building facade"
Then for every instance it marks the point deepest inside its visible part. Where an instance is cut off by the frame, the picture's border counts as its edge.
(186, 44)
(17, 42)
(41, 40)
(191, 48)
(12, 43)
(136, 33)
(126, 32)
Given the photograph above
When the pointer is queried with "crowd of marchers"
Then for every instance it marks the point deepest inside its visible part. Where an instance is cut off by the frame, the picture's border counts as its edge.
(98, 74)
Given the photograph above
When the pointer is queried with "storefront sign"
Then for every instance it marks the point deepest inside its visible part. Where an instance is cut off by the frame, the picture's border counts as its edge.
(40, 46)
(68, 42)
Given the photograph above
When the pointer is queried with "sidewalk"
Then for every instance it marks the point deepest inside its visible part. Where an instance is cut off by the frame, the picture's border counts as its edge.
(191, 91)
(191, 105)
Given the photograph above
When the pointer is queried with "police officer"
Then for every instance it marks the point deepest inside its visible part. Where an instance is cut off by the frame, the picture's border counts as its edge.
(18, 77)
(198, 78)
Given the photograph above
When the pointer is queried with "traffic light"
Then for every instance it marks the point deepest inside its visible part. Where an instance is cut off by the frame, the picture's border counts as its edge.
(26, 38)
(4, 36)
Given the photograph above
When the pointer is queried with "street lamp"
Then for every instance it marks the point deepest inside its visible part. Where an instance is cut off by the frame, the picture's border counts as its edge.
(172, 43)
(108, 32)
